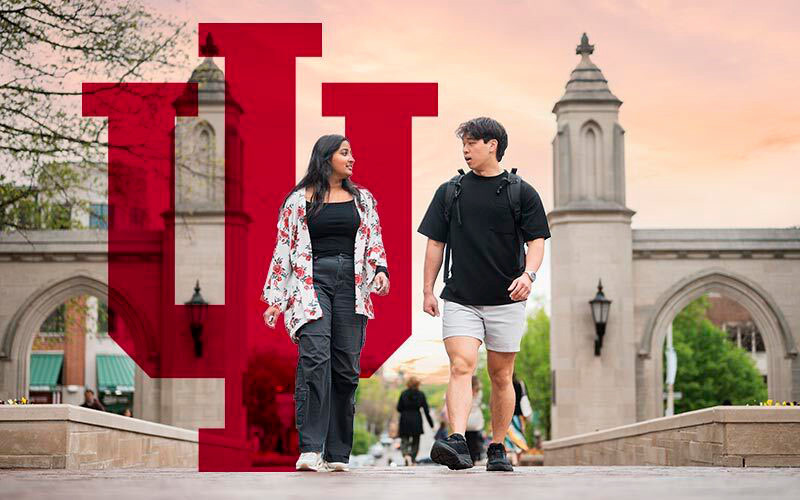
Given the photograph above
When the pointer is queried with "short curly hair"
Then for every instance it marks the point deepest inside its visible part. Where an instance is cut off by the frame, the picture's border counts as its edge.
(413, 383)
(486, 129)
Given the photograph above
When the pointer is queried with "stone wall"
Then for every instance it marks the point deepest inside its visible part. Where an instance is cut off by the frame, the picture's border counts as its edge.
(722, 436)
(71, 437)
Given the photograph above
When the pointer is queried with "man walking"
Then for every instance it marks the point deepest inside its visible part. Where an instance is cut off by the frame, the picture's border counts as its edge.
(482, 218)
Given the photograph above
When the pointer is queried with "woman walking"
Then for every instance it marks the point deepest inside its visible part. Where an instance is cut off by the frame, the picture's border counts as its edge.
(328, 258)
(411, 401)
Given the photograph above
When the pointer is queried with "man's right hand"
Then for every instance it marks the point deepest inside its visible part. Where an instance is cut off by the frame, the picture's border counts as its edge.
(431, 305)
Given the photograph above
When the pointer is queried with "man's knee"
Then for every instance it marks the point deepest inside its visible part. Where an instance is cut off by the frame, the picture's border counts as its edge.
(461, 367)
(501, 376)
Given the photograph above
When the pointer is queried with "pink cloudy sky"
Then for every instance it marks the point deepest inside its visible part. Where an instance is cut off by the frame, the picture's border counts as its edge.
(709, 91)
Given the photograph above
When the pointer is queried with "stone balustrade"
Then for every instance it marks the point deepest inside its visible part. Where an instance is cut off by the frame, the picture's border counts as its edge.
(71, 437)
(727, 436)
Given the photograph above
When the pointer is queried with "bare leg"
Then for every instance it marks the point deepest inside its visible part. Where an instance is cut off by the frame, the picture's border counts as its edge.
(463, 354)
(501, 369)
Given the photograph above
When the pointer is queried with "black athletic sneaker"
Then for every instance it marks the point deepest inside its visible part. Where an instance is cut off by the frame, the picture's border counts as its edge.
(496, 459)
(452, 452)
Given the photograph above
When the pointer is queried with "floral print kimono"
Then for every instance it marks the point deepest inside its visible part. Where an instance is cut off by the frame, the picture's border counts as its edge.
(290, 281)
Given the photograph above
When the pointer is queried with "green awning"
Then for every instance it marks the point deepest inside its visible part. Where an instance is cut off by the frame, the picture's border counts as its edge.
(115, 373)
(45, 371)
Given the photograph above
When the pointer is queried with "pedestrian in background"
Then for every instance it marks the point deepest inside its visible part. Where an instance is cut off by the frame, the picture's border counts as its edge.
(90, 401)
(475, 422)
(515, 437)
(411, 401)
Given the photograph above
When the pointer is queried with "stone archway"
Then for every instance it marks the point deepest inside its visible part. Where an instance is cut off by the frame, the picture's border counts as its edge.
(24, 325)
(770, 321)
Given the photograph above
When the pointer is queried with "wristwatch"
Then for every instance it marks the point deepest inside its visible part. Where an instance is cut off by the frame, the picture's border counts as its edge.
(531, 274)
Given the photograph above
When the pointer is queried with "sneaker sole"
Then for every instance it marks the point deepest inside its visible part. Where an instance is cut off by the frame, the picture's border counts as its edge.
(338, 469)
(500, 468)
(306, 468)
(445, 455)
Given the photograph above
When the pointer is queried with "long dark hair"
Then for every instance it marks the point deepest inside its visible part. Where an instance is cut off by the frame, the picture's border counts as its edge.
(320, 170)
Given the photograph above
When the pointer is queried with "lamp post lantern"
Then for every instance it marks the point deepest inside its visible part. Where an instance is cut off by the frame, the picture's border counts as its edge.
(600, 306)
(198, 309)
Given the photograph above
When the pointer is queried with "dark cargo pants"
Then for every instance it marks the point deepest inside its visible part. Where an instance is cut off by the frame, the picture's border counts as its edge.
(329, 363)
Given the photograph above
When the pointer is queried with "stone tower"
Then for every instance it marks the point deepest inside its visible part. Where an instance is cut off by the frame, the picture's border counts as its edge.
(591, 240)
(198, 229)
(200, 189)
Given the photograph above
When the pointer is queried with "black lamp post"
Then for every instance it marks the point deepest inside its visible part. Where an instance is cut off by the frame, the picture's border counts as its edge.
(198, 309)
(600, 306)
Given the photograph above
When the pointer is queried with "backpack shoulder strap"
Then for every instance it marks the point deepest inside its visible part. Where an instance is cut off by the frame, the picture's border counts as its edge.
(515, 202)
(514, 195)
(452, 192)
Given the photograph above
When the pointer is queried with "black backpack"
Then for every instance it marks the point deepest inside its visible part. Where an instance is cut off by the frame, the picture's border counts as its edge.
(453, 193)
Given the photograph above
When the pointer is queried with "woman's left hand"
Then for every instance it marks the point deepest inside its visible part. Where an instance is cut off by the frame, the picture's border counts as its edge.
(381, 284)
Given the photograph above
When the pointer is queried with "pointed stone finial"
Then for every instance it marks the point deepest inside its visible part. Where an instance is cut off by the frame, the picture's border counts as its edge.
(584, 48)
(209, 49)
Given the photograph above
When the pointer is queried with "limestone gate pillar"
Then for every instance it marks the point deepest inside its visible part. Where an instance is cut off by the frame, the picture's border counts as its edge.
(591, 240)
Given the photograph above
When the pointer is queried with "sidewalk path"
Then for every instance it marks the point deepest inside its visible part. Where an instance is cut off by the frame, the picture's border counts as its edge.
(424, 482)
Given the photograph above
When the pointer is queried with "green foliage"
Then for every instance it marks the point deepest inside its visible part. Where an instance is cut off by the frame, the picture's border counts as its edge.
(376, 400)
(533, 367)
(362, 438)
(47, 203)
(104, 321)
(711, 368)
(55, 321)
(435, 395)
(486, 387)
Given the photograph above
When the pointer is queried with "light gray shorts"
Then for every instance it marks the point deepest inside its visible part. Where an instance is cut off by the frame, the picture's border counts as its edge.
(499, 327)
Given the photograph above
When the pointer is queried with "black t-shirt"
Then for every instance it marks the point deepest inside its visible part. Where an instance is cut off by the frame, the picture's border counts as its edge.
(333, 229)
(485, 248)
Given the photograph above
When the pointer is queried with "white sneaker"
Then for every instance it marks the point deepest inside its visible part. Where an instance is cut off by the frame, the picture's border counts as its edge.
(309, 461)
(336, 467)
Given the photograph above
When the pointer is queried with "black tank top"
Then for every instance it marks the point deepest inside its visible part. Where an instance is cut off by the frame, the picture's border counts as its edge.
(333, 228)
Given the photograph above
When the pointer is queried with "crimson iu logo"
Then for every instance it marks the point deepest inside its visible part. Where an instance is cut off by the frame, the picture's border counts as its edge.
(256, 363)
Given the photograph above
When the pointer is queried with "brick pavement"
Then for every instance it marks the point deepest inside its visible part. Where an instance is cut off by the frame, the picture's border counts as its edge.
(419, 483)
